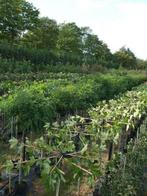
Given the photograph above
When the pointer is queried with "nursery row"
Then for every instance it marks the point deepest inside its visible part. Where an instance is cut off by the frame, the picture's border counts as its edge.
(30, 105)
(39, 76)
(80, 145)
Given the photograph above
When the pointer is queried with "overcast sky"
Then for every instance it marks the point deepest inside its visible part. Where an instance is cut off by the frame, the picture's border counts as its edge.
(117, 22)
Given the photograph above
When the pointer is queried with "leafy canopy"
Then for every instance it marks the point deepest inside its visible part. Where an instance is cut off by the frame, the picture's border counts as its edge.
(16, 16)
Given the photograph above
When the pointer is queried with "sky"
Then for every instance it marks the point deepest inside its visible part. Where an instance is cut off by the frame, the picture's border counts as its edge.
(117, 22)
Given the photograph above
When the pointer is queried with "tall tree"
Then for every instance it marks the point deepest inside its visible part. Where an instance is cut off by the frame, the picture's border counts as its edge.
(125, 58)
(45, 35)
(94, 50)
(141, 64)
(70, 43)
(16, 16)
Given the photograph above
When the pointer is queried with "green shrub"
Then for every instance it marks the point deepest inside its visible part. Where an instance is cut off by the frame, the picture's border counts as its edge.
(41, 101)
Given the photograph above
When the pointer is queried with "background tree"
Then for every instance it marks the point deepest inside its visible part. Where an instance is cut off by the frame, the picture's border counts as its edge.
(106, 57)
(69, 43)
(141, 64)
(125, 58)
(90, 43)
(45, 35)
(16, 16)
(94, 50)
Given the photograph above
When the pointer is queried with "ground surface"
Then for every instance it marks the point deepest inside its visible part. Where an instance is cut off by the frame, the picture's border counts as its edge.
(145, 181)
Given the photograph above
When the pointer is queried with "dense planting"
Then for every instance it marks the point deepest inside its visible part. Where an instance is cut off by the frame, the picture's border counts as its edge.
(11, 82)
(25, 66)
(39, 76)
(73, 115)
(48, 46)
(127, 178)
(29, 106)
(80, 145)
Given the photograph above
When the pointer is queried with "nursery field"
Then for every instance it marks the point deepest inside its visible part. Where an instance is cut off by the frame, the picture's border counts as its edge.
(73, 109)
(73, 134)
(29, 104)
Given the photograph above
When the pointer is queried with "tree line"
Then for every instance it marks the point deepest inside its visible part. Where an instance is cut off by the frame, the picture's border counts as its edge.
(66, 43)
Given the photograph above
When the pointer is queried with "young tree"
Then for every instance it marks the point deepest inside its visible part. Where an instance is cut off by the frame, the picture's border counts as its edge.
(16, 16)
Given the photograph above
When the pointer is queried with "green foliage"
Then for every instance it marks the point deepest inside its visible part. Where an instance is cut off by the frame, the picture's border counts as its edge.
(28, 77)
(44, 35)
(94, 50)
(142, 64)
(43, 42)
(63, 45)
(39, 102)
(39, 58)
(129, 180)
(69, 44)
(16, 16)
(12, 66)
(51, 151)
(125, 58)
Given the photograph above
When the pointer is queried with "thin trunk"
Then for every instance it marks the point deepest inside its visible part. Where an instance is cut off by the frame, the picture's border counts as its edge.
(9, 183)
(58, 188)
(24, 147)
(78, 186)
(110, 151)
